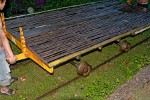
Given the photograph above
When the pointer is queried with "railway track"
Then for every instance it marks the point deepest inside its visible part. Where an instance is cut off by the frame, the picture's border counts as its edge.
(52, 91)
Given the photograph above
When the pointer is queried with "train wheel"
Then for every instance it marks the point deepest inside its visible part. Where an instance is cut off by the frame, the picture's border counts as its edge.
(125, 46)
(84, 69)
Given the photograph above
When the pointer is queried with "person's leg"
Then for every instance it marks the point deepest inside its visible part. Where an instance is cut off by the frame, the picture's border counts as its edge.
(5, 89)
(5, 77)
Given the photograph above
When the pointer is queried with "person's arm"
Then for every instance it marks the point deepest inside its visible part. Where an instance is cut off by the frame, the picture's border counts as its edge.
(5, 43)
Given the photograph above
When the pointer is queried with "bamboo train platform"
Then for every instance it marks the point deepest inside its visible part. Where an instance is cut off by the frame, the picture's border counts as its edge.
(53, 37)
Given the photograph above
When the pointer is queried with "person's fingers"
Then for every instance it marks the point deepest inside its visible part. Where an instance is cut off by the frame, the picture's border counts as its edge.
(11, 60)
(8, 61)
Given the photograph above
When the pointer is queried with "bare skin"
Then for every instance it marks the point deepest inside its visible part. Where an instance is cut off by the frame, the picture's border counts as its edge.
(5, 44)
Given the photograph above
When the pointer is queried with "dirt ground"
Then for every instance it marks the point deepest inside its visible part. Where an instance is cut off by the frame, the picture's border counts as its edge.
(138, 88)
(143, 93)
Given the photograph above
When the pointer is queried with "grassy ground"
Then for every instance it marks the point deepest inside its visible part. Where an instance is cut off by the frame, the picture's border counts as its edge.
(97, 86)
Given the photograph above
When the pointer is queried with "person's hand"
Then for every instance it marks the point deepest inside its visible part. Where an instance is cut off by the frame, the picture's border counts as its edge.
(12, 59)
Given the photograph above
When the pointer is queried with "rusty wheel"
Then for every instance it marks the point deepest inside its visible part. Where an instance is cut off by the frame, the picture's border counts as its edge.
(84, 69)
(125, 46)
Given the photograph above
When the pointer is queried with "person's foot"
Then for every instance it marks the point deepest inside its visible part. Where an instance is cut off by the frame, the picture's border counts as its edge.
(7, 91)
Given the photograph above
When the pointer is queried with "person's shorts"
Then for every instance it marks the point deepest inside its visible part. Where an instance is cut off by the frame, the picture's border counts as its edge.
(4, 70)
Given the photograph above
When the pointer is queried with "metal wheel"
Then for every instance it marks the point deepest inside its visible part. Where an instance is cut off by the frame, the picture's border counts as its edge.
(125, 46)
(84, 69)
